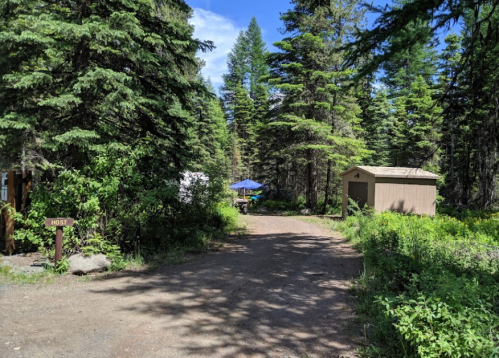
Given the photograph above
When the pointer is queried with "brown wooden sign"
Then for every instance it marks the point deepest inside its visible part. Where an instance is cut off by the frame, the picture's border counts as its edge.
(59, 222)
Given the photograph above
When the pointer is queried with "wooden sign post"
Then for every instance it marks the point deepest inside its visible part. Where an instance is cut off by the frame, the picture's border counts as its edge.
(59, 223)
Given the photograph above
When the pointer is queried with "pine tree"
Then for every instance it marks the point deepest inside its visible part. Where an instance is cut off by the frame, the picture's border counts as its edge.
(261, 107)
(244, 129)
(378, 129)
(209, 136)
(316, 106)
(472, 111)
(423, 124)
(406, 65)
(455, 162)
(417, 127)
(257, 67)
(470, 96)
(78, 77)
(238, 68)
(243, 91)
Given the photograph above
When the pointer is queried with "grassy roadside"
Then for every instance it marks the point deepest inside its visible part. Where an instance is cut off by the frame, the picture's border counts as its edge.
(145, 261)
(430, 286)
(8, 276)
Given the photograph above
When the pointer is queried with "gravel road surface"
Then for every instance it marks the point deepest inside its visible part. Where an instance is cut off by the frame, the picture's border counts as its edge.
(281, 291)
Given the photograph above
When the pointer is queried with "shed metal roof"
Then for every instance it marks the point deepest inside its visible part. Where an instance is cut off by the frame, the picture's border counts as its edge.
(395, 172)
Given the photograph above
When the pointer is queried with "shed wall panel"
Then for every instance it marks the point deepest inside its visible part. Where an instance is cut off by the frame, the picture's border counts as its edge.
(404, 196)
(363, 178)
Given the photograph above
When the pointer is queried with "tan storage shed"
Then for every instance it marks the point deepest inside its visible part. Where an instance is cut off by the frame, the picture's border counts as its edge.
(406, 190)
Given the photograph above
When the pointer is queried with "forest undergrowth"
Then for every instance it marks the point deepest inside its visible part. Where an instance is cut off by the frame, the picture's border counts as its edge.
(430, 287)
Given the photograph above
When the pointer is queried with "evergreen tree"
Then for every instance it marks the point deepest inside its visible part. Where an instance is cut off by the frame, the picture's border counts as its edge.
(245, 64)
(378, 129)
(474, 111)
(242, 92)
(470, 94)
(257, 67)
(209, 136)
(238, 68)
(416, 133)
(395, 20)
(244, 128)
(454, 161)
(402, 69)
(317, 107)
(423, 124)
(102, 96)
(78, 77)
(261, 107)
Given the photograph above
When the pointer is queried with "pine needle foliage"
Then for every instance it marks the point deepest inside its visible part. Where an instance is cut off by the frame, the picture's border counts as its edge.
(317, 107)
(100, 99)
(79, 75)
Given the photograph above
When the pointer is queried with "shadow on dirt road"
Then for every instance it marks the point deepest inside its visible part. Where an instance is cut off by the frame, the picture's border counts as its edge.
(280, 292)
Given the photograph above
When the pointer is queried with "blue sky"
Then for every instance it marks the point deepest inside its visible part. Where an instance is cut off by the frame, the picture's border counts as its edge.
(221, 21)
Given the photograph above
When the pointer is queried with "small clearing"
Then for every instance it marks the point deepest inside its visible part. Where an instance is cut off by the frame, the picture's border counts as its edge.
(281, 291)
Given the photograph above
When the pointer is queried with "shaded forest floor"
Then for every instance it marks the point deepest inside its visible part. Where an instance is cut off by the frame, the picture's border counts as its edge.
(280, 291)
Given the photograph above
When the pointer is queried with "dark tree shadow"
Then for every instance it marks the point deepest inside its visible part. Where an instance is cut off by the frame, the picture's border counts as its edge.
(262, 294)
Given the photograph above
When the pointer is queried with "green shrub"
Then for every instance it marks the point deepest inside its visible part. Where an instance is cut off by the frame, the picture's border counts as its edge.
(277, 205)
(431, 285)
(121, 204)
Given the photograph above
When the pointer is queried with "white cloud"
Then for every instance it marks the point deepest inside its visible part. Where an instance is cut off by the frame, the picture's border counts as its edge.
(223, 32)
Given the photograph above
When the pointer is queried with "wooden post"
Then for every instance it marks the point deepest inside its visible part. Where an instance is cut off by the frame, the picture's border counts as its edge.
(58, 245)
(9, 219)
(28, 182)
(59, 223)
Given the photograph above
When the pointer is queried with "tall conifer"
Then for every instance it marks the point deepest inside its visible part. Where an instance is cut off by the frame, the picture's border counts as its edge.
(77, 76)
(317, 107)
(378, 129)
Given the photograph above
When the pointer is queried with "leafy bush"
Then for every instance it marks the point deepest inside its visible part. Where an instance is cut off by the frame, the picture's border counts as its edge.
(431, 284)
(122, 204)
(276, 205)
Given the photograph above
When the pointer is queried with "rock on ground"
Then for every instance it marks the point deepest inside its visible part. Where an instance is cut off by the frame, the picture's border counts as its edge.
(81, 265)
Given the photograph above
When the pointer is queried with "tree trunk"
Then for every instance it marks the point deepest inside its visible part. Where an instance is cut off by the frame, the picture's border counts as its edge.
(312, 181)
(328, 182)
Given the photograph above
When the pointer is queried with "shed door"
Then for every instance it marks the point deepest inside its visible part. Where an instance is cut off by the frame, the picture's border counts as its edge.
(358, 193)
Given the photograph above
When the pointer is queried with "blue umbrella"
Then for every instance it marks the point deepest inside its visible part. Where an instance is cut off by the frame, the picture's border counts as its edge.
(246, 184)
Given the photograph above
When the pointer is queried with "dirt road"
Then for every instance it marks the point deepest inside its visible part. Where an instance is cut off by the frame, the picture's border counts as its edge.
(279, 292)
